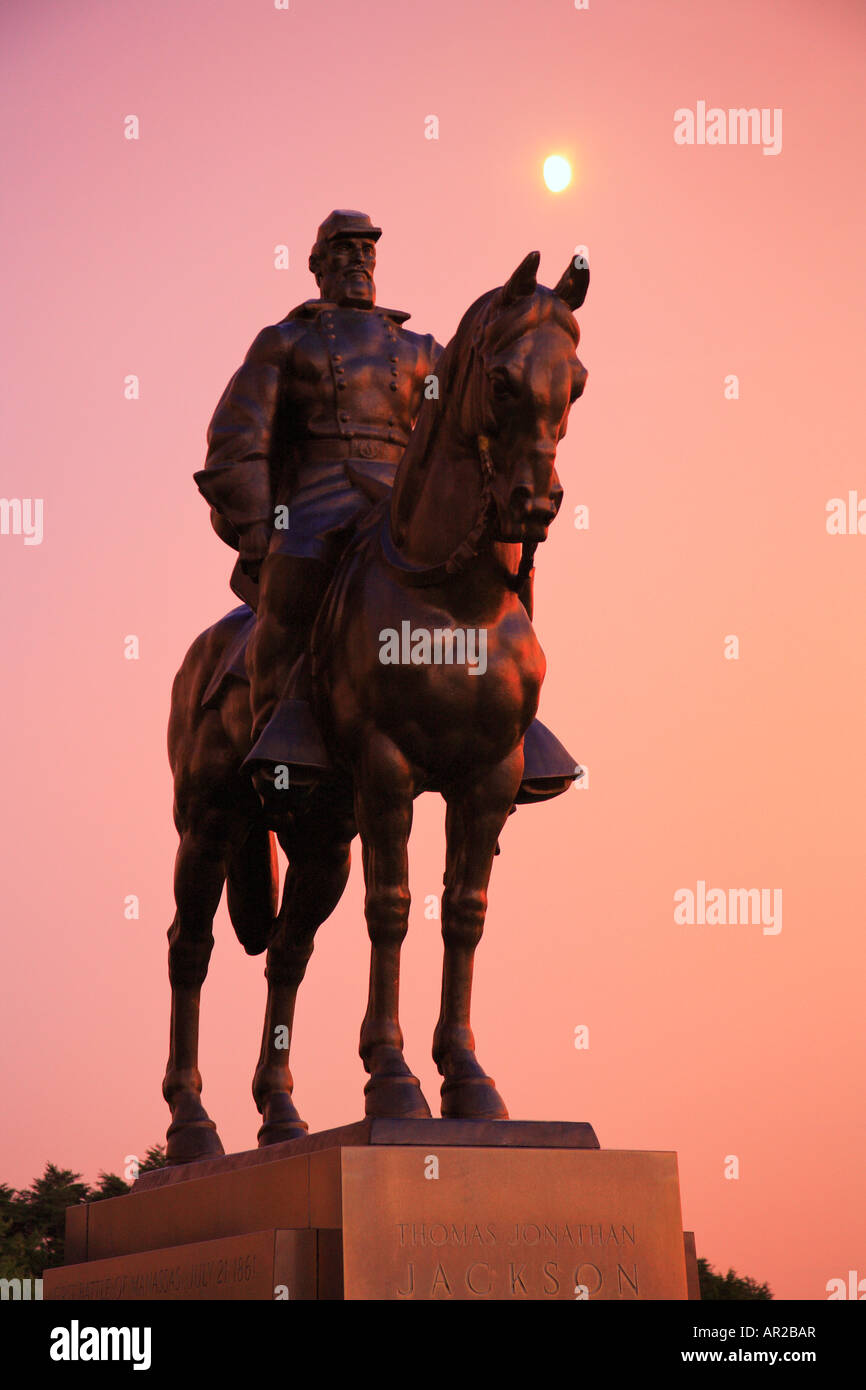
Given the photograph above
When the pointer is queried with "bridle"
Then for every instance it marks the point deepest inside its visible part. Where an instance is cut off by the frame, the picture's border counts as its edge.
(422, 576)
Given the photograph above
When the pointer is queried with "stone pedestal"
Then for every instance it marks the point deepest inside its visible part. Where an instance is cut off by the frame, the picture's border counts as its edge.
(385, 1209)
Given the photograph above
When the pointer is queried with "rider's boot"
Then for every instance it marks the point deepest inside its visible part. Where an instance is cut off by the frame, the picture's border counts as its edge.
(291, 590)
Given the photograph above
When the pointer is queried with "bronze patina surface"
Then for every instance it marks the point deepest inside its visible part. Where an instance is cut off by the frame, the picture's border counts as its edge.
(373, 484)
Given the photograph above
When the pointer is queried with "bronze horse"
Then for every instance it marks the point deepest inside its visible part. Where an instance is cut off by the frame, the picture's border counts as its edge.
(448, 552)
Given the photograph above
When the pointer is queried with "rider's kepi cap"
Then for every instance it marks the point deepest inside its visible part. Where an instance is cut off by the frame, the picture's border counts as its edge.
(343, 222)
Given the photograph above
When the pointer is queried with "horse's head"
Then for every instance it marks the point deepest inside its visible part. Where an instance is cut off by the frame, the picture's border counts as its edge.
(526, 377)
(480, 459)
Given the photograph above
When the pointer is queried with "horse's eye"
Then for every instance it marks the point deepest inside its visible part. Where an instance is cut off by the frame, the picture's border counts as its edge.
(501, 384)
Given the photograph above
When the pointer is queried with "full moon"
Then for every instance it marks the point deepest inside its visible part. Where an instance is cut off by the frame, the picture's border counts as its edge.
(557, 173)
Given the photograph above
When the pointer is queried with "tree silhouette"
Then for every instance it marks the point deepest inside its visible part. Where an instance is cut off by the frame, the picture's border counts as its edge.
(33, 1220)
(730, 1285)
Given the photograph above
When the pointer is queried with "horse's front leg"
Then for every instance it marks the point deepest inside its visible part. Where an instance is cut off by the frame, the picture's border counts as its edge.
(384, 794)
(474, 820)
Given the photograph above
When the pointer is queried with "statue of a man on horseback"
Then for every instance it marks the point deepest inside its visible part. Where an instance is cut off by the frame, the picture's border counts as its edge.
(354, 518)
(307, 436)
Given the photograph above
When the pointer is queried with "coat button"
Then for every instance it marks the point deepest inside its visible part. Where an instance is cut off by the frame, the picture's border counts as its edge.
(393, 385)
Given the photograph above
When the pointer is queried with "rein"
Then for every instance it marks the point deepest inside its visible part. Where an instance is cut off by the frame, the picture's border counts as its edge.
(422, 576)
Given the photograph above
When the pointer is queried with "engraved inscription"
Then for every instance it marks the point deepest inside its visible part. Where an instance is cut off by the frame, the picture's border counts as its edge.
(518, 1280)
(512, 1223)
(575, 1234)
(177, 1279)
(523, 1275)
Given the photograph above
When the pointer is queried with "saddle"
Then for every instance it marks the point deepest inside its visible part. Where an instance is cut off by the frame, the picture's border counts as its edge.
(292, 736)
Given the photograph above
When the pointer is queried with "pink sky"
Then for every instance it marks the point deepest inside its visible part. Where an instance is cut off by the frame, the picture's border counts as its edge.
(707, 518)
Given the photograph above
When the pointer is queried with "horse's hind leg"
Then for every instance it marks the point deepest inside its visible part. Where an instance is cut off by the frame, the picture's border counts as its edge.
(473, 822)
(314, 885)
(198, 883)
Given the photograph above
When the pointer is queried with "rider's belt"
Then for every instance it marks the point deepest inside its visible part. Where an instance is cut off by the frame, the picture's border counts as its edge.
(326, 450)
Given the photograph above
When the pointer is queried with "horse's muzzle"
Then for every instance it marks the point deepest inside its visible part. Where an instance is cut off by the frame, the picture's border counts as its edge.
(529, 515)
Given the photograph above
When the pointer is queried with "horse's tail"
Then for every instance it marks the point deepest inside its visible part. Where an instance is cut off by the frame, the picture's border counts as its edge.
(252, 890)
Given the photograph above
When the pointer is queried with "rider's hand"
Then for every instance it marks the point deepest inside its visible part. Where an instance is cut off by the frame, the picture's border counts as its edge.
(254, 542)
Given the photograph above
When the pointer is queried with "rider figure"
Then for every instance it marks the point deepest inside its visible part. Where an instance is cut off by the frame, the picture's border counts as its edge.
(306, 437)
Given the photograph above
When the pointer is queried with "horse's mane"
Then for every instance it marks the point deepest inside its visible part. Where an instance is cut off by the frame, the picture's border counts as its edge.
(487, 326)
(453, 365)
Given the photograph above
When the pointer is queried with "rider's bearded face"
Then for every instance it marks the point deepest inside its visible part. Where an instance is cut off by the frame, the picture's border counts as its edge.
(346, 275)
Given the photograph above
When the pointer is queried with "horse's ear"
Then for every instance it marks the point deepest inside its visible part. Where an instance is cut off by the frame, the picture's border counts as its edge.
(523, 281)
(575, 282)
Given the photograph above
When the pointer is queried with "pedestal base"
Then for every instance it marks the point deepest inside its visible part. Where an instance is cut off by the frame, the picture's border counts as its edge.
(399, 1210)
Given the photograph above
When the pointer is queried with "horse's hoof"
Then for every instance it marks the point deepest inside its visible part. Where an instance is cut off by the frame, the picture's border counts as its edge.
(473, 1098)
(189, 1142)
(281, 1134)
(281, 1121)
(395, 1098)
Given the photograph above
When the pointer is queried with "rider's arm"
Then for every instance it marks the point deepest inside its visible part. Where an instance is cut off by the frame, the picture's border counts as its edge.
(236, 476)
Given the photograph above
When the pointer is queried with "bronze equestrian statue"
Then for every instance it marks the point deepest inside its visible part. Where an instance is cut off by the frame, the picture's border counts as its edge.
(446, 553)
